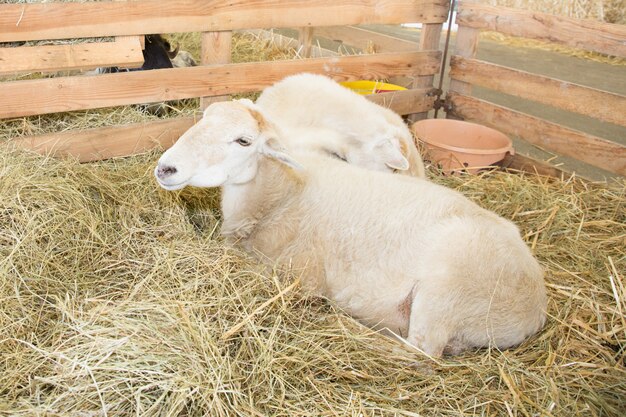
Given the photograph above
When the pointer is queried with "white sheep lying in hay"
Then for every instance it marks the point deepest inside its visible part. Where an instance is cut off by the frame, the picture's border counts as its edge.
(307, 107)
(393, 251)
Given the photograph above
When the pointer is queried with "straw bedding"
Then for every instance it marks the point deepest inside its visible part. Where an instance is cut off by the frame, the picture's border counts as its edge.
(119, 298)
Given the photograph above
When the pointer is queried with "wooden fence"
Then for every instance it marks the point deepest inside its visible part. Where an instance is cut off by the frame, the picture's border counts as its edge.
(467, 71)
(217, 78)
(212, 80)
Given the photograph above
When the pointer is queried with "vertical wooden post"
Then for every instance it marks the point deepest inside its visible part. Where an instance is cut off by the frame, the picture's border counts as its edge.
(305, 38)
(466, 44)
(429, 41)
(125, 40)
(216, 49)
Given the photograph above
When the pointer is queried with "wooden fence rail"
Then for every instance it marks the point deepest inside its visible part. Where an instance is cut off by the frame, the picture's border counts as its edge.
(595, 36)
(605, 106)
(32, 97)
(19, 22)
(124, 52)
(596, 151)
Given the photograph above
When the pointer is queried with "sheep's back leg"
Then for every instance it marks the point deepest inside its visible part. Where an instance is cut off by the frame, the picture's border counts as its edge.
(428, 330)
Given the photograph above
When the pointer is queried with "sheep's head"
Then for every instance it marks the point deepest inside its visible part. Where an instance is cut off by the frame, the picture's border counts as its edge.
(222, 148)
(373, 143)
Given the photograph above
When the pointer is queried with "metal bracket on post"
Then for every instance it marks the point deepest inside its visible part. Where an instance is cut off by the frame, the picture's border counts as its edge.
(437, 93)
(439, 102)
(448, 107)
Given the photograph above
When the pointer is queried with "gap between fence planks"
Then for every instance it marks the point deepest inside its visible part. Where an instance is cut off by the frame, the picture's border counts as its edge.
(286, 42)
(595, 36)
(366, 40)
(110, 142)
(602, 105)
(32, 97)
(48, 58)
(20, 22)
(593, 150)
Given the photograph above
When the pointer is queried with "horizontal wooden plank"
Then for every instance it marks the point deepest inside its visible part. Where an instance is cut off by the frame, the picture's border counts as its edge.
(596, 151)
(416, 100)
(591, 35)
(602, 105)
(32, 97)
(125, 52)
(110, 142)
(365, 40)
(83, 20)
(525, 163)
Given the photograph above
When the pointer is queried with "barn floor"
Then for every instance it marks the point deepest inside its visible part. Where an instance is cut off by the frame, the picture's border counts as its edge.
(118, 298)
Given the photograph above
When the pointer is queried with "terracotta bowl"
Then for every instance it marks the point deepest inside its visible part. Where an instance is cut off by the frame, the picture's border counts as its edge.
(455, 145)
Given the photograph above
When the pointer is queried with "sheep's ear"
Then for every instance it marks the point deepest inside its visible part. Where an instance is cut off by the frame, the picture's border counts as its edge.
(392, 156)
(410, 152)
(272, 148)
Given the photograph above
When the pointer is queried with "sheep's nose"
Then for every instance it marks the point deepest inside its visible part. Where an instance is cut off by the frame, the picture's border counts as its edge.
(164, 171)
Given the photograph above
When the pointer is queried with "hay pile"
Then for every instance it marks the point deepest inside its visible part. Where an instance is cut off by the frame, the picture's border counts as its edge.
(116, 296)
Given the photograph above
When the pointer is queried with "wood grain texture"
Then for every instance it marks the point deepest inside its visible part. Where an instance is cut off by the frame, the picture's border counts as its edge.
(215, 49)
(429, 40)
(406, 102)
(83, 20)
(32, 97)
(602, 105)
(125, 52)
(110, 142)
(466, 46)
(595, 36)
(593, 150)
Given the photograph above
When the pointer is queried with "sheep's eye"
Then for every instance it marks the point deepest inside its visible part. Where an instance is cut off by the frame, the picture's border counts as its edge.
(243, 141)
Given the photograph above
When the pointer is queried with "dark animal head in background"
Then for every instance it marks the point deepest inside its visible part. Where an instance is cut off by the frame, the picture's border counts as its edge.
(157, 54)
